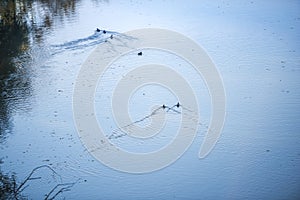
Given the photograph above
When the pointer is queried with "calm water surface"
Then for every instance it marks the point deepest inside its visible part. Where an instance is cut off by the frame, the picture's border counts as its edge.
(255, 46)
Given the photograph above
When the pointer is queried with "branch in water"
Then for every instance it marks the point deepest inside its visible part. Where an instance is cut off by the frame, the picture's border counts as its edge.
(64, 187)
(29, 177)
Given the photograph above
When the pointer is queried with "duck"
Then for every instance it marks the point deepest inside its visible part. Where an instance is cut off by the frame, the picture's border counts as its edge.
(98, 30)
(177, 105)
(104, 31)
(140, 53)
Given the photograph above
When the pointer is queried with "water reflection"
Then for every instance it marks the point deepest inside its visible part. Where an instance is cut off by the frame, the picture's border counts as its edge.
(257, 58)
(8, 184)
(23, 25)
(14, 33)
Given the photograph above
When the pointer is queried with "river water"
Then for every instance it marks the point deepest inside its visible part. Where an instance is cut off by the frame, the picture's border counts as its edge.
(255, 47)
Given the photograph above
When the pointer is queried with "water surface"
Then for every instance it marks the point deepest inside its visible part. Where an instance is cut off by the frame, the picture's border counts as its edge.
(255, 46)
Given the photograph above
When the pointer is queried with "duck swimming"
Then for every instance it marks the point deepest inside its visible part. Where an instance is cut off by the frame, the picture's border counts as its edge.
(98, 30)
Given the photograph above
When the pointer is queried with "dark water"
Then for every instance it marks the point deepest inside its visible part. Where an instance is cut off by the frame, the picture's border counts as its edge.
(255, 46)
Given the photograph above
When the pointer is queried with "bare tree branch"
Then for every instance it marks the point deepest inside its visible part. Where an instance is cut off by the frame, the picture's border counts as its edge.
(28, 178)
(64, 187)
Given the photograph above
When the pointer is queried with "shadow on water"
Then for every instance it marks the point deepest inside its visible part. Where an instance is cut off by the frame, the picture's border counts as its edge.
(23, 25)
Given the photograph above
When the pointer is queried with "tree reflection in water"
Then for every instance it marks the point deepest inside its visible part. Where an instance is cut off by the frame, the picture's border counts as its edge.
(23, 24)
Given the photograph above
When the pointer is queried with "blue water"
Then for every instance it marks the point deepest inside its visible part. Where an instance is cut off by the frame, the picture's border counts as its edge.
(254, 45)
